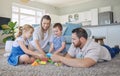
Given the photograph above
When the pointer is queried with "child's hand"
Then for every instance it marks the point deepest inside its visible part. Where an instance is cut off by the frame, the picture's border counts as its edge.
(41, 56)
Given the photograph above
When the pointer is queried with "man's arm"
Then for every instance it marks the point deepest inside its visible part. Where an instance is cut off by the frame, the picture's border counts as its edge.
(74, 62)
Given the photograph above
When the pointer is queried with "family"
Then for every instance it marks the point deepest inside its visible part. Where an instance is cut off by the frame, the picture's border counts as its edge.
(83, 51)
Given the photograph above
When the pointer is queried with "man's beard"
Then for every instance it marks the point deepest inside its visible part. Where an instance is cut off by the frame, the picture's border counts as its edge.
(78, 44)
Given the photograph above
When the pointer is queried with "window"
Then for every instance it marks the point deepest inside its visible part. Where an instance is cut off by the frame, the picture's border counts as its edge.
(26, 15)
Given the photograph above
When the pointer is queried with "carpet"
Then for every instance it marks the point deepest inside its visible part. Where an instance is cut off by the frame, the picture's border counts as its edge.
(111, 68)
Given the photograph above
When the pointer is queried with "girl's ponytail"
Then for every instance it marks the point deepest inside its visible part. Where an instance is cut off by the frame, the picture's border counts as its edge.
(19, 32)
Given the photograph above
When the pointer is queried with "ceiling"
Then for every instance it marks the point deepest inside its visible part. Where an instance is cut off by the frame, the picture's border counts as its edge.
(62, 3)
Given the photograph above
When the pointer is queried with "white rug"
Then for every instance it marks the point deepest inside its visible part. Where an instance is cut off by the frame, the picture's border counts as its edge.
(111, 68)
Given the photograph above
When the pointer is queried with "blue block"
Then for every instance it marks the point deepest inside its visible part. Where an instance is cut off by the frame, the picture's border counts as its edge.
(48, 55)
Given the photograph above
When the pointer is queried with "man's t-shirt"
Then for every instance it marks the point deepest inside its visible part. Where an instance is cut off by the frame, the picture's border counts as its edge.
(91, 50)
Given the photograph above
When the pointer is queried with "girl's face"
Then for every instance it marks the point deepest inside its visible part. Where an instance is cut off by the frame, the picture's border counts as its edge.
(57, 31)
(29, 33)
(45, 24)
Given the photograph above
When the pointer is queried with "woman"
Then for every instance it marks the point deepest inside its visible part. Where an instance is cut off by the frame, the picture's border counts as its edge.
(42, 35)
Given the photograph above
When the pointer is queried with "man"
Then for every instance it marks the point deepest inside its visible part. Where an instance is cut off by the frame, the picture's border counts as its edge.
(83, 52)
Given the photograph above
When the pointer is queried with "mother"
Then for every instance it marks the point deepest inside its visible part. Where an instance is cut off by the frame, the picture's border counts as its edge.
(42, 35)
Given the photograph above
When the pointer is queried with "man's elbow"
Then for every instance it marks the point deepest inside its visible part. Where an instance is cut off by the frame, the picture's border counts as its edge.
(87, 64)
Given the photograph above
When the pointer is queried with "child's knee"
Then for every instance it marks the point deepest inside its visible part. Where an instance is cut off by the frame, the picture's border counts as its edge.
(24, 59)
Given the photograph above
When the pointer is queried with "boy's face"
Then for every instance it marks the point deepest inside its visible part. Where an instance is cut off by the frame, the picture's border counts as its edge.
(57, 31)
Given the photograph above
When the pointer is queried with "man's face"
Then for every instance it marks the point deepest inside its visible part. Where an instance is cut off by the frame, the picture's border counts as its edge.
(75, 40)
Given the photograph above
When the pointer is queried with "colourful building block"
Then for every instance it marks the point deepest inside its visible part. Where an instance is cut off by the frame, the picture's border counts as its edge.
(35, 63)
(49, 55)
(44, 59)
(50, 61)
(58, 64)
(43, 62)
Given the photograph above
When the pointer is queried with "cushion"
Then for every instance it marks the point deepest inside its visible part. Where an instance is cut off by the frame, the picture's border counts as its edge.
(67, 39)
(64, 29)
(70, 27)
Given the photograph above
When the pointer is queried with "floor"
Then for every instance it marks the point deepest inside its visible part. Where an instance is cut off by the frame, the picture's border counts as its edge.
(1, 52)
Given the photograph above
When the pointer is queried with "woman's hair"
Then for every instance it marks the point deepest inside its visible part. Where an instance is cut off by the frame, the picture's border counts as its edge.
(47, 17)
(59, 25)
(80, 32)
(25, 27)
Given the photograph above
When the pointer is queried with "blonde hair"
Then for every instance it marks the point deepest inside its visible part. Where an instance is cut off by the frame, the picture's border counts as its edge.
(26, 27)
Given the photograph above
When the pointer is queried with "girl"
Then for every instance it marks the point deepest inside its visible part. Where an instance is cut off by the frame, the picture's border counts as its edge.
(20, 49)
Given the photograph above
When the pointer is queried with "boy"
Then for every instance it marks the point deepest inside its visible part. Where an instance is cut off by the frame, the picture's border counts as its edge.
(58, 43)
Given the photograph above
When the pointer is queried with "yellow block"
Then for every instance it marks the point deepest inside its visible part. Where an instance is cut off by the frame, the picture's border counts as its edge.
(43, 62)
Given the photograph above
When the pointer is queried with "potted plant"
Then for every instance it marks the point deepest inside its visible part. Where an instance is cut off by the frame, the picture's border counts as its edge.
(9, 31)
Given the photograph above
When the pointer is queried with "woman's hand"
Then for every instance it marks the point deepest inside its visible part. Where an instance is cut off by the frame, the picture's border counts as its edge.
(41, 56)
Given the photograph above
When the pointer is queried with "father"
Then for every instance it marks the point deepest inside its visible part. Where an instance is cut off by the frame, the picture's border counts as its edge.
(83, 52)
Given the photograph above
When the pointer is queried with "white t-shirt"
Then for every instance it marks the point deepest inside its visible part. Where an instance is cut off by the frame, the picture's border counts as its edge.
(37, 36)
(15, 43)
(91, 50)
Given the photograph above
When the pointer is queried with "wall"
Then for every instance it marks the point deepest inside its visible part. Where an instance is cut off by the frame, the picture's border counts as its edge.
(110, 32)
(91, 5)
(6, 9)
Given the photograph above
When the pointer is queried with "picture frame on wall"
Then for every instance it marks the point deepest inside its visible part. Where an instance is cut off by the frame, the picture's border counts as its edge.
(70, 18)
(76, 17)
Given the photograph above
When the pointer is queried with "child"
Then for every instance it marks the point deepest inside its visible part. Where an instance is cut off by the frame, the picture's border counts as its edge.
(20, 49)
(58, 43)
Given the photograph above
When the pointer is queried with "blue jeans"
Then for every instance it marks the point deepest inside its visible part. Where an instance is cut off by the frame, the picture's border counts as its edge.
(113, 51)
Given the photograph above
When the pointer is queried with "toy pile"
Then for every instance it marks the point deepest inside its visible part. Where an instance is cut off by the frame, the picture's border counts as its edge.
(45, 60)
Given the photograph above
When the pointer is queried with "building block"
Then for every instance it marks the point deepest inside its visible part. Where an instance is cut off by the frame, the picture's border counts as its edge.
(49, 55)
(43, 62)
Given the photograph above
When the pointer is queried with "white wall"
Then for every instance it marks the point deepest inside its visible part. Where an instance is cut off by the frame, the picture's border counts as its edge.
(115, 7)
(6, 7)
(111, 34)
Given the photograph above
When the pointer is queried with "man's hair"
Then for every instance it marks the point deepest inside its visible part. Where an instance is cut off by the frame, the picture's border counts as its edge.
(59, 25)
(80, 32)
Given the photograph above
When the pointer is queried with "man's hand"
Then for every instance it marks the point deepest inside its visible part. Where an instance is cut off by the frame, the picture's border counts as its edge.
(55, 58)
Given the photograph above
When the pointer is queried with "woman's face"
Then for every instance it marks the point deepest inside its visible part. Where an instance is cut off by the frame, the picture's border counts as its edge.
(45, 24)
